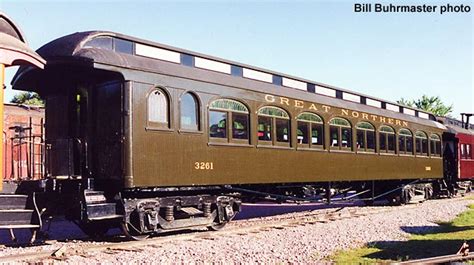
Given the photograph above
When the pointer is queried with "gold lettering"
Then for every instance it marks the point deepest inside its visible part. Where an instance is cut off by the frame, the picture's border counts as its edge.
(382, 119)
(355, 114)
(285, 101)
(390, 120)
(204, 165)
(397, 122)
(344, 112)
(365, 116)
(326, 108)
(313, 107)
(269, 98)
(299, 104)
(374, 117)
(405, 123)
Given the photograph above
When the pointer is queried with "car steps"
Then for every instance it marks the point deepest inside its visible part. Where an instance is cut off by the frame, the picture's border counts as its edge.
(98, 208)
(14, 214)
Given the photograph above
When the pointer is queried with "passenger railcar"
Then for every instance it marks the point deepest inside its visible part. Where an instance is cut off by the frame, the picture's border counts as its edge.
(458, 157)
(155, 137)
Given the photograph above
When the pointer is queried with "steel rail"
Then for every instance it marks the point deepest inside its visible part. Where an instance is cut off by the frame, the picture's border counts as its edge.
(441, 259)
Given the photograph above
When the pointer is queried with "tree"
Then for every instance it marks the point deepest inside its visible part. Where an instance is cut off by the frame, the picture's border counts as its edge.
(27, 98)
(431, 104)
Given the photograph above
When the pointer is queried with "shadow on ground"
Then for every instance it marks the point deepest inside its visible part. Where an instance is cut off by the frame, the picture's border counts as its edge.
(422, 248)
(432, 229)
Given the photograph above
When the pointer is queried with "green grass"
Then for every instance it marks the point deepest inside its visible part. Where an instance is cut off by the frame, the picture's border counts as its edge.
(444, 240)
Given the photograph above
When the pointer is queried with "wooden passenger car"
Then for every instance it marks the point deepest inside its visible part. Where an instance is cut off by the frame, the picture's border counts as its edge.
(138, 116)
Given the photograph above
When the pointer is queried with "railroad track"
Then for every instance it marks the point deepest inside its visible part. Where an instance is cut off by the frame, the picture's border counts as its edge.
(447, 259)
(236, 228)
(240, 228)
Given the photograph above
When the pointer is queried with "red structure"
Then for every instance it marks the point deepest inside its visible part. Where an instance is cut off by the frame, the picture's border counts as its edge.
(14, 50)
(466, 159)
(23, 142)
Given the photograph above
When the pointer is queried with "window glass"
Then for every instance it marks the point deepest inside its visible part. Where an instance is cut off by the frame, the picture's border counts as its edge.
(228, 119)
(100, 42)
(365, 126)
(468, 151)
(387, 139)
(310, 117)
(360, 139)
(282, 130)
(340, 122)
(158, 107)
(401, 144)
(405, 132)
(391, 142)
(463, 152)
(316, 134)
(334, 132)
(123, 46)
(418, 146)
(228, 104)
(302, 132)
(346, 137)
(240, 126)
(386, 129)
(273, 112)
(264, 128)
(217, 124)
(371, 140)
(421, 143)
(435, 145)
(273, 117)
(383, 142)
(341, 133)
(365, 135)
(421, 135)
(409, 142)
(424, 143)
(189, 112)
(310, 124)
(405, 145)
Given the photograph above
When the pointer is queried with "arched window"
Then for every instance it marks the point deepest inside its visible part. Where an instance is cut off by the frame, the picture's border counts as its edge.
(435, 141)
(158, 109)
(189, 112)
(229, 120)
(273, 126)
(365, 136)
(421, 143)
(386, 139)
(310, 126)
(405, 142)
(340, 132)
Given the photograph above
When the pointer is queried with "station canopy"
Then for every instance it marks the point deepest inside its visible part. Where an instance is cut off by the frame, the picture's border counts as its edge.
(13, 47)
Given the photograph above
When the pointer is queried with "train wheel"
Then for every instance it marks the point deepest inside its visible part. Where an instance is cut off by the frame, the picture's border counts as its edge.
(216, 227)
(132, 233)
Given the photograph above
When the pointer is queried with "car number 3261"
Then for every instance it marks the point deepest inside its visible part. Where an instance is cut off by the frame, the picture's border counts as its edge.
(204, 165)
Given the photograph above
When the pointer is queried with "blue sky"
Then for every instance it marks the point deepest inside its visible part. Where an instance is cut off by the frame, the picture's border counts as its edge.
(388, 56)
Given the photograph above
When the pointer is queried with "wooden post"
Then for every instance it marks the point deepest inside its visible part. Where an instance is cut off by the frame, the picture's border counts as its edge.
(2, 81)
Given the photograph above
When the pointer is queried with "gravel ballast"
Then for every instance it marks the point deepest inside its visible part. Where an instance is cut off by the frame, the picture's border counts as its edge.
(296, 244)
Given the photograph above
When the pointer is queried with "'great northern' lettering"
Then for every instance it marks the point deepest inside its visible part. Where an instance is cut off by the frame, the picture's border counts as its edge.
(327, 109)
